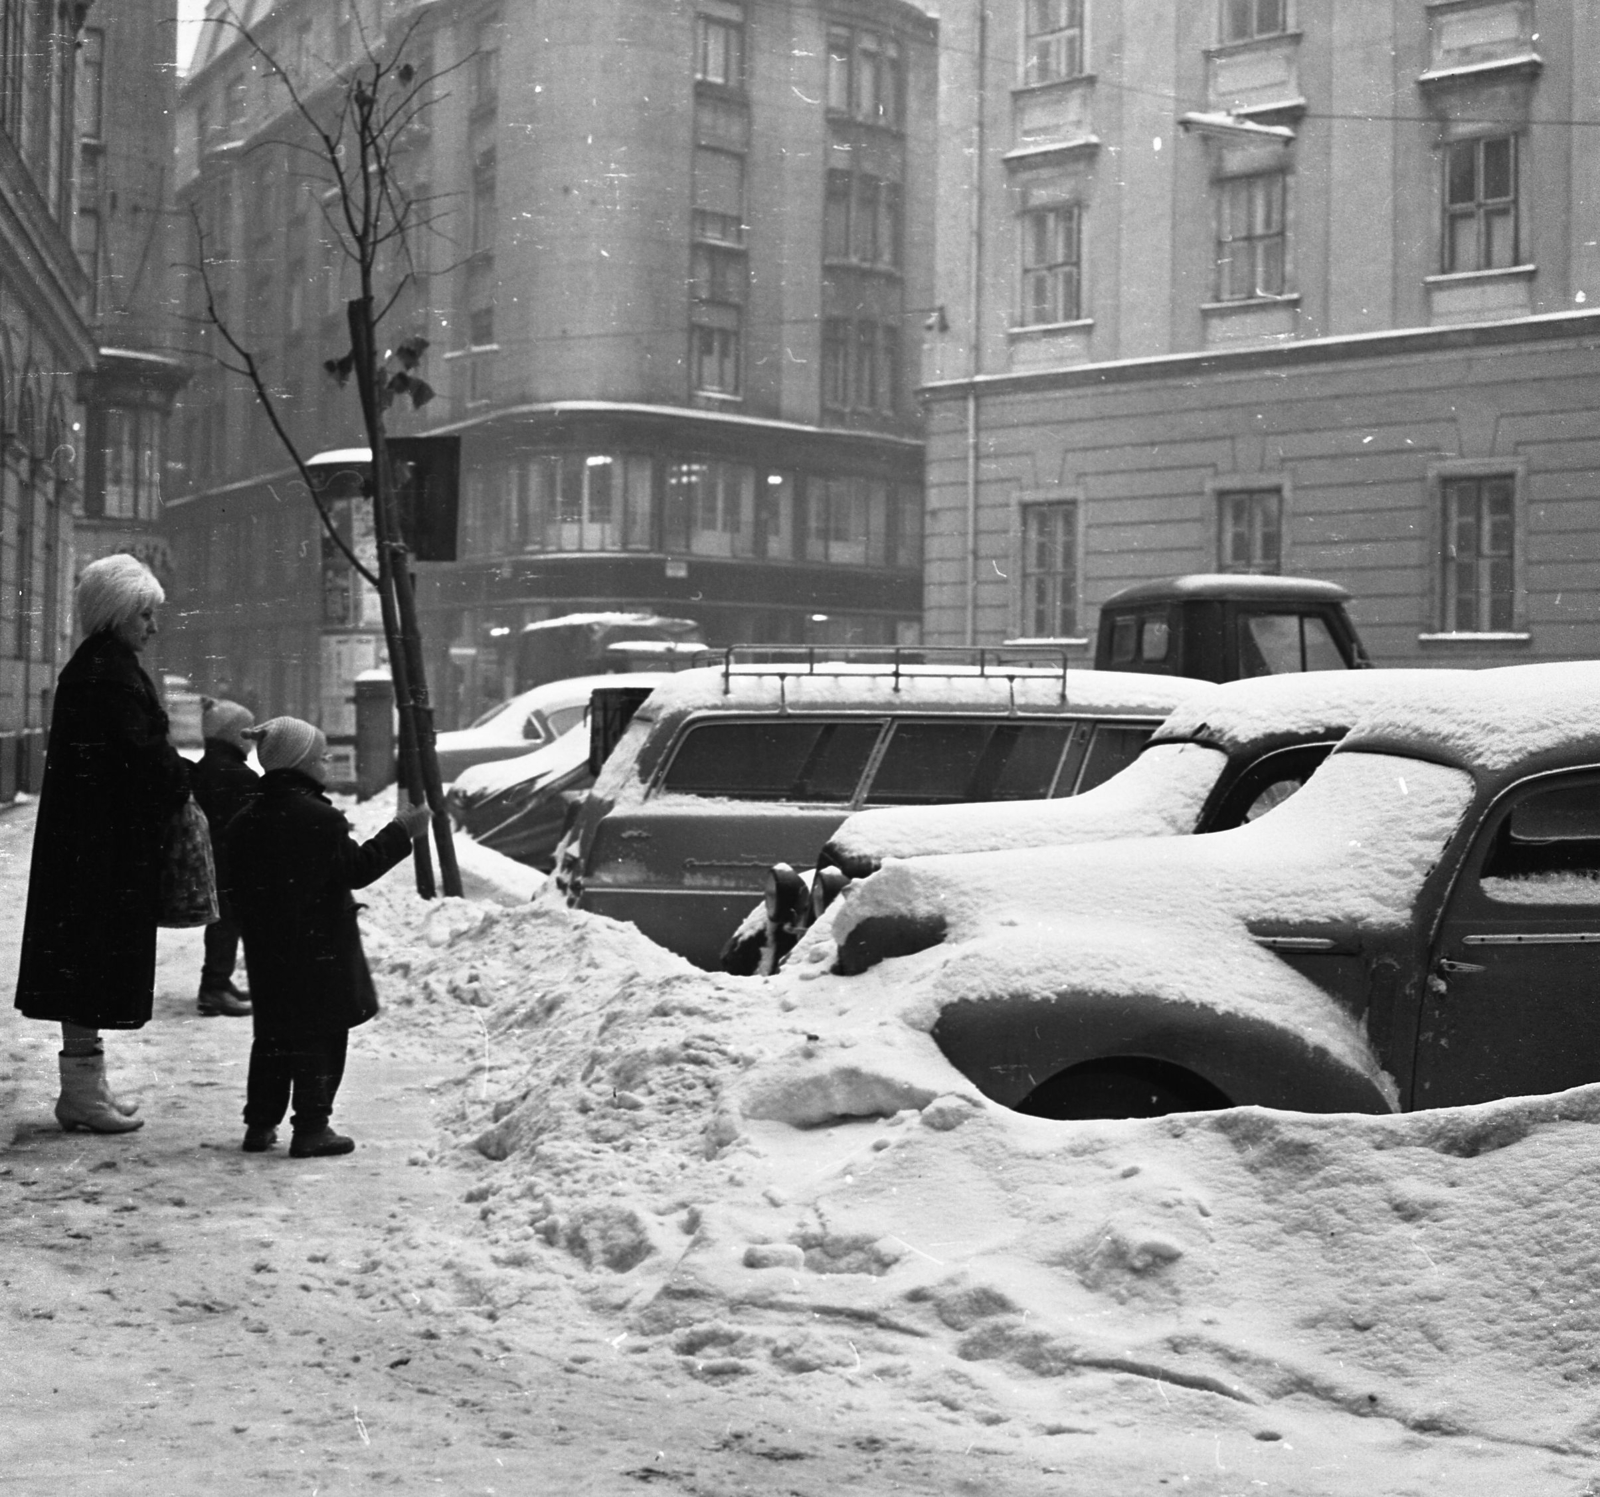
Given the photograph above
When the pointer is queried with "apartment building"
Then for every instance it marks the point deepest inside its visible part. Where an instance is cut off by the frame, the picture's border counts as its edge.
(44, 343)
(1270, 285)
(673, 264)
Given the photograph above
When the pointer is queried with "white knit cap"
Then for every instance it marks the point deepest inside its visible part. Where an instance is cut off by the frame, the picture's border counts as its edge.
(286, 742)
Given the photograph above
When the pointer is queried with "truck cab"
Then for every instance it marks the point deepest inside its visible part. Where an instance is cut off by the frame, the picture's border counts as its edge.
(1228, 626)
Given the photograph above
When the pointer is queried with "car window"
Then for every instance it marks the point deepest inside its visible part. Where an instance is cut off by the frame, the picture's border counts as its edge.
(1139, 637)
(1322, 654)
(533, 728)
(1547, 849)
(565, 719)
(1278, 644)
(929, 763)
(784, 760)
(483, 719)
(1265, 785)
(1113, 749)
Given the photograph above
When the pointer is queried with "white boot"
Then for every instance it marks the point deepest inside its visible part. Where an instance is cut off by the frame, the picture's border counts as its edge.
(122, 1104)
(84, 1100)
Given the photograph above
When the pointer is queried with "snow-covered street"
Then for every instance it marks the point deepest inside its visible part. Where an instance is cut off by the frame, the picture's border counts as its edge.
(614, 1223)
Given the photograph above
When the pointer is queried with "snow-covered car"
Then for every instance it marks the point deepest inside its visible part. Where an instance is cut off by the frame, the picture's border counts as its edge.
(518, 725)
(520, 807)
(1419, 926)
(725, 771)
(1221, 759)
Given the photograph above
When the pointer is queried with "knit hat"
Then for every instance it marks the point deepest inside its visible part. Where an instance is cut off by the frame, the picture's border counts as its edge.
(223, 719)
(286, 742)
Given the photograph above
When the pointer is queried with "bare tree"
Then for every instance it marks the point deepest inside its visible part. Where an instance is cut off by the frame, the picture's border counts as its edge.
(348, 131)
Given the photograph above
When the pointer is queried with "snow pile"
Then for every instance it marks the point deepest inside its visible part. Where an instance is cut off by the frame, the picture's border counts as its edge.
(776, 1179)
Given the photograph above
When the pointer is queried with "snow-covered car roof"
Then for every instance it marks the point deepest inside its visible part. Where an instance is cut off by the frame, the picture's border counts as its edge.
(1240, 585)
(1265, 709)
(1491, 721)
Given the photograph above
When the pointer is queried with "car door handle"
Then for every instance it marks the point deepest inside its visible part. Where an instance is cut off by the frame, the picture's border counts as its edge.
(1447, 965)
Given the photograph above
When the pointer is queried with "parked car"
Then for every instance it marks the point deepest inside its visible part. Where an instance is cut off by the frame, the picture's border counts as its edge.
(579, 644)
(521, 806)
(1221, 759)
(518, 725)
(1419, 926)
(726, 770)
(1224, 626)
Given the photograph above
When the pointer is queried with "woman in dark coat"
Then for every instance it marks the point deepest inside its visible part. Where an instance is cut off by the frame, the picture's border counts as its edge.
(292, 865)
(111, 785)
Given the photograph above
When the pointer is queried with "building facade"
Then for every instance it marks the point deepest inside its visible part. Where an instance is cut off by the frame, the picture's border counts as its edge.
(1270, 285)
(672, 263)
(123, 231)
(44, 344)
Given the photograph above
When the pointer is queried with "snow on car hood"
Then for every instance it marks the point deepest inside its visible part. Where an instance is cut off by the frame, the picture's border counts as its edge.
(556, 758)
(1159, 795)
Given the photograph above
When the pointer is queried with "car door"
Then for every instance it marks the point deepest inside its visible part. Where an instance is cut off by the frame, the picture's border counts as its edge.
(1513, 995)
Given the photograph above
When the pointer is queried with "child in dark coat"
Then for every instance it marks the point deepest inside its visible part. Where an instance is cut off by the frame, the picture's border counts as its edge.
(224, 784)
(293, 863)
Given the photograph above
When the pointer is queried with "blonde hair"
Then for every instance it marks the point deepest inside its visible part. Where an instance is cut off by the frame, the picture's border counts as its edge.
(112, 590)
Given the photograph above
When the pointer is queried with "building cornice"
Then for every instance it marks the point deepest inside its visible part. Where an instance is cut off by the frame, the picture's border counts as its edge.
(1547, 327)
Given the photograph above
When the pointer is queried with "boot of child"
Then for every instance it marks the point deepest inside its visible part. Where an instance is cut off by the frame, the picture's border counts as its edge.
(85, 1101)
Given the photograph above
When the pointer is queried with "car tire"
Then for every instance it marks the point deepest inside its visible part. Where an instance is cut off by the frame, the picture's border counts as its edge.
(1132, 1086)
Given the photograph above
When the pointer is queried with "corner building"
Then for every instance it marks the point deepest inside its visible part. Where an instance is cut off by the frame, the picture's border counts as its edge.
(1271, 285)
(674, 279)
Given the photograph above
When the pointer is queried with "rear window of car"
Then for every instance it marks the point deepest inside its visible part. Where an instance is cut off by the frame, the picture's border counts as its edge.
(564, 719)
(794, 759)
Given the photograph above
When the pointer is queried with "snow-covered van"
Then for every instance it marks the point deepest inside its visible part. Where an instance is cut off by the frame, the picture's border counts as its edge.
(1418, 926)
(1221, 759)
(727, 770)
(1228, 626)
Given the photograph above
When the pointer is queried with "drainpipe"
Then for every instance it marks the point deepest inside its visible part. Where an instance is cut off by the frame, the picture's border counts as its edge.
(975, 299)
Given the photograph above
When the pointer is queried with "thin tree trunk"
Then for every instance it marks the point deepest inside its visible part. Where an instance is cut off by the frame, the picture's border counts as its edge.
(400, 611)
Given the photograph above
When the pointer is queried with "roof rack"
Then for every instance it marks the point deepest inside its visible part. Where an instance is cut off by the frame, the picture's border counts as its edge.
(960, 660)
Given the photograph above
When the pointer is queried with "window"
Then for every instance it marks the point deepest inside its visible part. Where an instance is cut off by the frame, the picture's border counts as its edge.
(865, 76)
(1547, 850)
(583, 502)
(1276, 644)
(483, 201)
(860, 365)
(836, 362)
(483, 77)
(86, 236)
(91, 82)
(1244, 19)
(1050, 570)
(939, 763)
(797, 760)
(714, 358)
(1479, 554)
(1053, 40)
(1250, 531)
(718, 196)
(862, 220)
(1051, 265)
(719, 46)
(1480, 204)
(236, 102)
(1251, 237)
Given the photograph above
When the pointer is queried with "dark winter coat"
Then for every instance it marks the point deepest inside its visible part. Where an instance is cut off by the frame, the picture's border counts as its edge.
(111, 784)
(293, 864)
(224, 784)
